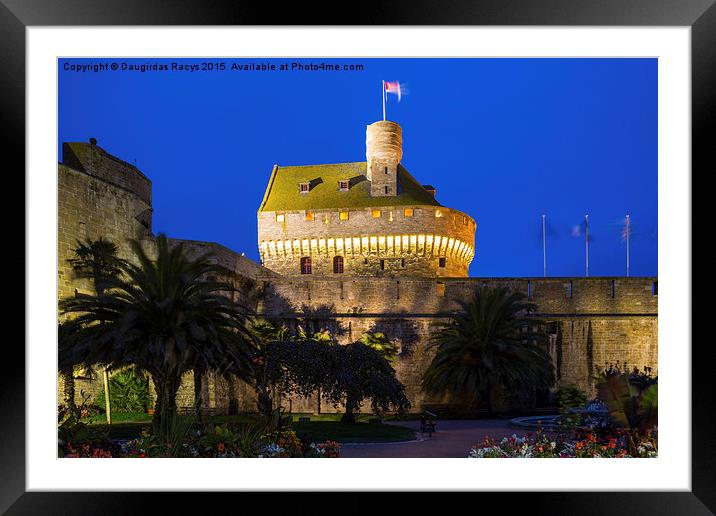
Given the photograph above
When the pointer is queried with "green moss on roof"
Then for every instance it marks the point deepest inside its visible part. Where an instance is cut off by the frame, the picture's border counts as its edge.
(282, 193)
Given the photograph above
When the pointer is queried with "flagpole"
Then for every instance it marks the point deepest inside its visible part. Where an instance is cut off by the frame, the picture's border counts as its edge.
(628, 234)
(383, 96)
(586, 240)
(544, 247)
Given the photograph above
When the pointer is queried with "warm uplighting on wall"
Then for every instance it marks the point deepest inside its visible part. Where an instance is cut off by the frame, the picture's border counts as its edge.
(383, 245)
(438, 213)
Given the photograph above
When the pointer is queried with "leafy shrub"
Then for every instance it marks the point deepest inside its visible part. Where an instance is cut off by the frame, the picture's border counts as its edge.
(127, 393)
(568, 398)
(632, 400)
(71, 430)
(224, 441)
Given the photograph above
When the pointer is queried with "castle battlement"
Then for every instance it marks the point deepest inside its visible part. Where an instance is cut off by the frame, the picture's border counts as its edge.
(410, 297)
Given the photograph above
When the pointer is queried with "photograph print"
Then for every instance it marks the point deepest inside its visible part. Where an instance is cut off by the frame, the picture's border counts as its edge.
(364, 257)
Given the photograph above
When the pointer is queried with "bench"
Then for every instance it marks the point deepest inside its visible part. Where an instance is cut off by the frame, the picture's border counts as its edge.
(427, 423)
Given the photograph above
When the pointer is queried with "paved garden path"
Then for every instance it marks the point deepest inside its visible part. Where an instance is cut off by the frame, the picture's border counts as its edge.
(453, 439)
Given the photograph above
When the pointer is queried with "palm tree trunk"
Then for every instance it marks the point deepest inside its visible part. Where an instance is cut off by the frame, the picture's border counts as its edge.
(488, 399)
(165, 409)
(68, 389)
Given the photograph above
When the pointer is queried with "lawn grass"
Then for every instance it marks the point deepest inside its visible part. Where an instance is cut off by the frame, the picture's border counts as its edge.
(119, 417)
(322, 427)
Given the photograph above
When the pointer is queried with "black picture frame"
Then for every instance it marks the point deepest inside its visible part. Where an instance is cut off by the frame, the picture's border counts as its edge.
(700, 15)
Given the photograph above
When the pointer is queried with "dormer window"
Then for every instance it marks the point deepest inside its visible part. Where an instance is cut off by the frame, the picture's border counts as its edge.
(344, 185)
(304, 187)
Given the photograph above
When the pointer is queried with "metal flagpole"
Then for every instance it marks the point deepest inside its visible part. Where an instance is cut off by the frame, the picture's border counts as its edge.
(628, 232)
(544, 247)
(383, 95)
(586, 240)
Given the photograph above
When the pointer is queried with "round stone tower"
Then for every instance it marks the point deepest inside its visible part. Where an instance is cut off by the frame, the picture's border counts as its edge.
(367, 219)
(383, 152)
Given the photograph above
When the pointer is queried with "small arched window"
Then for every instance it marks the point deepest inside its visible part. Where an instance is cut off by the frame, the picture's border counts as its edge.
(337, 265)
(306, 265)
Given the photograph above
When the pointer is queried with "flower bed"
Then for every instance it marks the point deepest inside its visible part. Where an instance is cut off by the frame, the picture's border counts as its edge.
(221, 442)
(586, 444)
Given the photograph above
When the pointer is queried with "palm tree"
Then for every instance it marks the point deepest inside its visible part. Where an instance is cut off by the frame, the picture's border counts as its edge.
(491, 342)
(96, 260)
(165, 317)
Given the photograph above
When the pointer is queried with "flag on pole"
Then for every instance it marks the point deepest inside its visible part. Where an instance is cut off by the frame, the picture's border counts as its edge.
(626, 233)
(394, 88)
(626, 228)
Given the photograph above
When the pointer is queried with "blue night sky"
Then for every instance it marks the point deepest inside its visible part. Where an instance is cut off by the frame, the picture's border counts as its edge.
(503, 140)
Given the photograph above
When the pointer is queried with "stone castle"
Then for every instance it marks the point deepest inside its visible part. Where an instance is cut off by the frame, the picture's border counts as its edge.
(358, 247)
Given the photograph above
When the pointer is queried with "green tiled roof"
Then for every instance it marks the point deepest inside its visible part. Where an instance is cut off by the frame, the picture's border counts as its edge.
(282, 193)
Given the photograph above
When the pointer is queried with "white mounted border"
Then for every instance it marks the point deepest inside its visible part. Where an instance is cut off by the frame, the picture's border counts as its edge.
(671, 471)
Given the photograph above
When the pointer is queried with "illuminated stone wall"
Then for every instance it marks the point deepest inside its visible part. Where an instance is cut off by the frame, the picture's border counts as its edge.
(374, 242)
(595, 320)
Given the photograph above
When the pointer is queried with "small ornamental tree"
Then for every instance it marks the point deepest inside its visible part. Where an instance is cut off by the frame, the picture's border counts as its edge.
(344, 374)
(363, 373)
(300, 366)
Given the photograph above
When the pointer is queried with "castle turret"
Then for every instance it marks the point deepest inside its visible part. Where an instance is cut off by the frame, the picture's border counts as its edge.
(383, 149)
